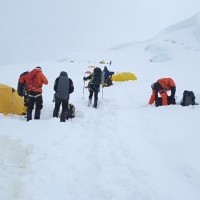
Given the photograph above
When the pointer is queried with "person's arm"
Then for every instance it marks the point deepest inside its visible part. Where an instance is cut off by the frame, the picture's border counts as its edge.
(173, 91)
(152, 98)
(164, 98)
(87, 78)
(44, 79)
(56, 85)
(71, 86)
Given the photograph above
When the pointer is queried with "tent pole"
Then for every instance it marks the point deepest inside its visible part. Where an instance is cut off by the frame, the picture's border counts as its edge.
(13, 90)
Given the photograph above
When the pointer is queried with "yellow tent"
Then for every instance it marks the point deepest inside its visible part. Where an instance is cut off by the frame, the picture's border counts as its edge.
(10, 101)
(124, 76)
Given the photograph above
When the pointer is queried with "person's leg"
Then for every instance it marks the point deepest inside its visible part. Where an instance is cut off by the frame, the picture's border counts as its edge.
(90, 94)
(95, 98)
(39, 106)
(90, 97)
(31, 103)
(57, 107)
(171, 100)
(158, 101)
(64, 110)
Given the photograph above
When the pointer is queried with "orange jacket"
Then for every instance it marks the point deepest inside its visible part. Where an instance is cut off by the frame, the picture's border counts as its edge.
(41, 79)
(166, 85)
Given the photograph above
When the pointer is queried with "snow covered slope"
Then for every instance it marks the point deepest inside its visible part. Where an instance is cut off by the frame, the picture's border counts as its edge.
(180, 37)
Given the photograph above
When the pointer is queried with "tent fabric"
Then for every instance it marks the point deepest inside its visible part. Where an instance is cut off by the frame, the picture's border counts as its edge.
(10, 101)
(124, 76)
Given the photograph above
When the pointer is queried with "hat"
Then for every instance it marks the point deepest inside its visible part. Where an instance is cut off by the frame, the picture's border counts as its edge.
(152, 86)
(38, 67)
(63, 73)
(156, 86)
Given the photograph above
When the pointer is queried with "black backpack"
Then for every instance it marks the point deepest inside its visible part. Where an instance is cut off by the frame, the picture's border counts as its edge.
(188, 98)
(97, 76)
(21, 88)
(70, 112)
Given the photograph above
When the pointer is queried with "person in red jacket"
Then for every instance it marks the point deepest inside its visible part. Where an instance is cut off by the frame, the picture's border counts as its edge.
(34, 82)
(161, 87)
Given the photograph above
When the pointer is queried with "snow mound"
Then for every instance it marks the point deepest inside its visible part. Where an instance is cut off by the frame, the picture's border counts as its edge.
(13, 163)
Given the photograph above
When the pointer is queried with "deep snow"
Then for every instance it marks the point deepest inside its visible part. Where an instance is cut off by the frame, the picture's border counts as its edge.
(125, 149)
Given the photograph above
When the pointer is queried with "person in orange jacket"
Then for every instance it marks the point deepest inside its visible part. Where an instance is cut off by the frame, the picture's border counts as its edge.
(161, 87)
(34, 82)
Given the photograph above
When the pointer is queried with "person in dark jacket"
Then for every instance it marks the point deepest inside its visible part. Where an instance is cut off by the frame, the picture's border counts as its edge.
(63, 86)
(95, 80)
(107, 75)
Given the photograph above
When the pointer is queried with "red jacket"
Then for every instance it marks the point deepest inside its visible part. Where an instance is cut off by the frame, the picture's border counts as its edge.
(164, 85)
(41, 79)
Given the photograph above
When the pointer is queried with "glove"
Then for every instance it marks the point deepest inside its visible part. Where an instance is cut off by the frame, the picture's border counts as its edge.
(84, 78)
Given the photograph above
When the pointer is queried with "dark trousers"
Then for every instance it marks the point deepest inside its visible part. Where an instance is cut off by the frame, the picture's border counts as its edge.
(95, 92)
(94, 89)
(35, 99)
(58, 103)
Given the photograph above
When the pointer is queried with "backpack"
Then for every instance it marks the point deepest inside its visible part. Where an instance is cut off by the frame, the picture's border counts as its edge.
(70, 112)
(31, 80)
(21, 87)
(188, 98)
(97, 76)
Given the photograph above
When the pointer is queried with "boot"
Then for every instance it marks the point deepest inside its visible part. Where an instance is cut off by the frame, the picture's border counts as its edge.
(89, 102)
(95, 103)
(67, 116)
(37, 114)
(63, 116)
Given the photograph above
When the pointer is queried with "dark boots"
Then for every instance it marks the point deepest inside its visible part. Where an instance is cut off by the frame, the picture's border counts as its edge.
(63, 115)
(95, 103)
(37, 114)
(89, 102)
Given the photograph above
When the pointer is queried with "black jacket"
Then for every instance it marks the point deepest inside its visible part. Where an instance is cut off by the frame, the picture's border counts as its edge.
(61, 90)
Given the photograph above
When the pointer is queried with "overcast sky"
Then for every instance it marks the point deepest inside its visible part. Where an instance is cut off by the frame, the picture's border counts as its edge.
(40, 26)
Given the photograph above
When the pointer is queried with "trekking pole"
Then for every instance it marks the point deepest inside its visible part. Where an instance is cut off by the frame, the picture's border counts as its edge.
(83, 89)
(102, 92)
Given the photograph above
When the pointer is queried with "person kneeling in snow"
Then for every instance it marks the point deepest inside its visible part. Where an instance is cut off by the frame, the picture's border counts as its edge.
(161, 87)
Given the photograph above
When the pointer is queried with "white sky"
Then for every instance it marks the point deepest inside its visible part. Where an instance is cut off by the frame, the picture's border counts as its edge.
(49, 28)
